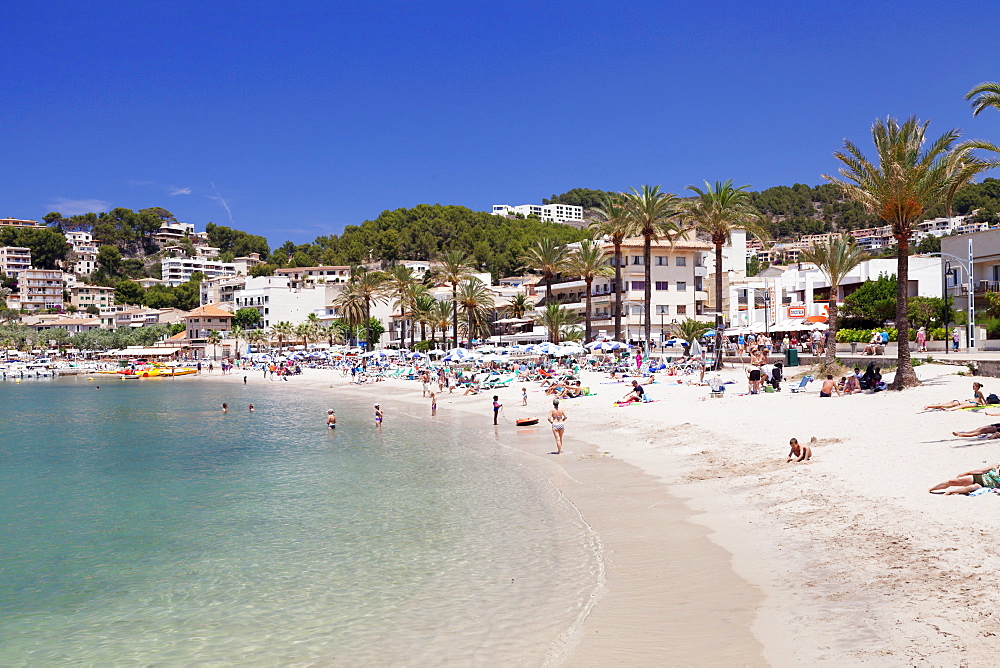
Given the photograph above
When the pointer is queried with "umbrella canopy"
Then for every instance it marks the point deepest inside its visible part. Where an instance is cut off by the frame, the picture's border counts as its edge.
(376, 353)
(492, 357)
(608, 345)
(436, 351)
(416, 356)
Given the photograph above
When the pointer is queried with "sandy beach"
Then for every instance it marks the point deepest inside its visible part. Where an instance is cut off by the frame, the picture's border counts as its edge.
(718, 552)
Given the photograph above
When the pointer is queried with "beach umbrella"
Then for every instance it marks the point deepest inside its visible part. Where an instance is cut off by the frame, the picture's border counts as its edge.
(436, 351)
(416, 356)
(491, 357)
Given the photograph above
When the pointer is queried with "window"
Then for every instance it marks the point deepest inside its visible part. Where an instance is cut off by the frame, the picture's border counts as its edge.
(637, 259)
(699, 283)
(661, 285)
(638, 285)
(637, 309)
(681, 286)
(663, 309)
(682, 309)
(681, 262)
(661, 260)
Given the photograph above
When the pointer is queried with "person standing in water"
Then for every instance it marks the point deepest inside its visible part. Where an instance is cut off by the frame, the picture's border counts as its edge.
(496, 408)
(434, 404)
(524, 395)
(331, 419)
(251, 408)
(378, 416)
(557, 418)
(225, 408)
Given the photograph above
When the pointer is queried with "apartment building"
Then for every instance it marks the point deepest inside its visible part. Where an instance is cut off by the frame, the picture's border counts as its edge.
(82, 295)
(299, 277)
(39, 289)
(678, 274)
(205, 319)
(14, 222)
(277, 301)
(177, 270)
(85, 251)
(245, 264)
(556, 213)
(222, 291)
(14, 260)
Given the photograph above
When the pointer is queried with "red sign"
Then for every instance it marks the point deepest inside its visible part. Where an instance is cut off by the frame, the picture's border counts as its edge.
(796, 311)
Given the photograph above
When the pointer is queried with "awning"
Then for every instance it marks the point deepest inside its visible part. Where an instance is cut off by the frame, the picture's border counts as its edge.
(143, 352)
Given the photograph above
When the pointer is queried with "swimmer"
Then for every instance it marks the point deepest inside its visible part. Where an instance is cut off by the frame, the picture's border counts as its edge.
(251, 408)
(378, 416)
(225, 408)
(331, 419)
(434, 404)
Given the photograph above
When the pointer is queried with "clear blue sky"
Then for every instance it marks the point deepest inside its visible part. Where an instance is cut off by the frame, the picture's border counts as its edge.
(311, 116)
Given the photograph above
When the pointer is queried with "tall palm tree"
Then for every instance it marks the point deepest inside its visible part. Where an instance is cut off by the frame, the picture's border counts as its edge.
(614, 225)
(983, 96)
(835, 258)
(399, 284)
(417, 291)
(549, 257)
(456, 266)
(588, 262)
(332, 333)
(237, 332)
(908, 179)
(258, 338)
(556, 318)
(363, 289)
(283, 331)
(651, 215)
(476, 301)
(716, 212)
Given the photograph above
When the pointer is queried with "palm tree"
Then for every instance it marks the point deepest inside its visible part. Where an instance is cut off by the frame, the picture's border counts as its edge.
(423, 304)
(282, 330)
(690, 329)
(588, 262)
(364, 288)
(214, 339)
(456, 266)
(986, 94)
(399, 284)
(259, 338)
(332, 333)
(440, 315)
(835, 259)
(556, 318)
(237, 332)
(549, 257)
(908, 179)
(651, 214)
(417, 291)
(476, 301)
(716, 213)
(519, 305)
(614, 225)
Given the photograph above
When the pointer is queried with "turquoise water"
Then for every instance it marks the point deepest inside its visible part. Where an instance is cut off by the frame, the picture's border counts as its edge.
(141, 524)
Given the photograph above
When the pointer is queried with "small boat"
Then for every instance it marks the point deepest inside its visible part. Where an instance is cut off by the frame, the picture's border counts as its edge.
(526, 422)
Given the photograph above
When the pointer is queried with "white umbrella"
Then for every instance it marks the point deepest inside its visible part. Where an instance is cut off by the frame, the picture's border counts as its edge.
(436, 351)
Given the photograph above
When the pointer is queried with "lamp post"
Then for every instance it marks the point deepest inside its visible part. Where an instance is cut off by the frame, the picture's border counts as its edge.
(970, 301)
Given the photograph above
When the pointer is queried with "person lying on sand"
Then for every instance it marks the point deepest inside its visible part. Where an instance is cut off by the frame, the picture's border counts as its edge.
(969, 481)
(991, 430)
(958, 404)
(802, 452)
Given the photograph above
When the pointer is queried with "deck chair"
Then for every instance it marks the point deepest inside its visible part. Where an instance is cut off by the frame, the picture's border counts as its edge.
(801, 386)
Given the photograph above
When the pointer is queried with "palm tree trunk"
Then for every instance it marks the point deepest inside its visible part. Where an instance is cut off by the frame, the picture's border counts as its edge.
(413, 332)
(648, 292)
(586, 316)
(905, 375)
(548, 287)
(831, 332)
(618, 292)
(423, 332)
(454, 312)
(368, 329)
(718, 304)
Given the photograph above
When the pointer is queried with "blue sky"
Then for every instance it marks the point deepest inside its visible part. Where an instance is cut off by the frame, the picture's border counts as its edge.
(304, 117)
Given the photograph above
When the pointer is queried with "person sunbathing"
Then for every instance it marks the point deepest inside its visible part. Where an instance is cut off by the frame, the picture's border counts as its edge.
(991, 430)
(958, 404)
(969, 481)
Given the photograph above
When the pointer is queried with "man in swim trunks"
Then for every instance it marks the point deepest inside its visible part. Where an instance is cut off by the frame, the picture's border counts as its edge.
(829, 387)
(331, 419)
(970, 481)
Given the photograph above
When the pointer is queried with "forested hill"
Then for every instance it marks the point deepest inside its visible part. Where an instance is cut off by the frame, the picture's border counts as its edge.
(426, 230)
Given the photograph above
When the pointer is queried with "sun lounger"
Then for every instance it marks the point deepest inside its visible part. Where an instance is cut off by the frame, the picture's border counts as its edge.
(801, 386)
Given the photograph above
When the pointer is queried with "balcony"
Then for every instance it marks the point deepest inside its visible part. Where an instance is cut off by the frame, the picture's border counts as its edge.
(701, 271)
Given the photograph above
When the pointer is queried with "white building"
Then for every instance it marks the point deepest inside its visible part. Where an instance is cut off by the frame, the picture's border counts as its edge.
(177, 270)
(304, 276)
(277, 301)
(555, 213)
(85, 251)
(14, 260)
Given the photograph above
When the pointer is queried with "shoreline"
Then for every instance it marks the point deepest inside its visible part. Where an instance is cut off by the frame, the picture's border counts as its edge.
(670, 593)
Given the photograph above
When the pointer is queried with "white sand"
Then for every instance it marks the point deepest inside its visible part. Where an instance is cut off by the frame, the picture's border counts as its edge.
(851, 560)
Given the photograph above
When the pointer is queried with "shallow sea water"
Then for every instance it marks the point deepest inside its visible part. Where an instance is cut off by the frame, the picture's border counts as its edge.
(142, 525)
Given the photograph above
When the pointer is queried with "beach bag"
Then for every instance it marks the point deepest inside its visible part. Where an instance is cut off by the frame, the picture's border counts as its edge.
(992, 399)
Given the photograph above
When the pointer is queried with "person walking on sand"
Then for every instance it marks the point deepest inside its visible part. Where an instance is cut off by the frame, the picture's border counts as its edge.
(557, 418)
(496, 408)
(331, 419)
(434, 404)
(378, 416)
(829, 387)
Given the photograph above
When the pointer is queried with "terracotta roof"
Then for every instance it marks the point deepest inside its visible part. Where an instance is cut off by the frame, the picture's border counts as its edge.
(210, 311)
(680, 244)
(179, 336)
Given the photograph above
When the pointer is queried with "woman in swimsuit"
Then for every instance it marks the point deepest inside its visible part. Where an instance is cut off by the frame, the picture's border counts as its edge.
(557, 418)
(958, 404)
(378, 416)
(970, 481)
